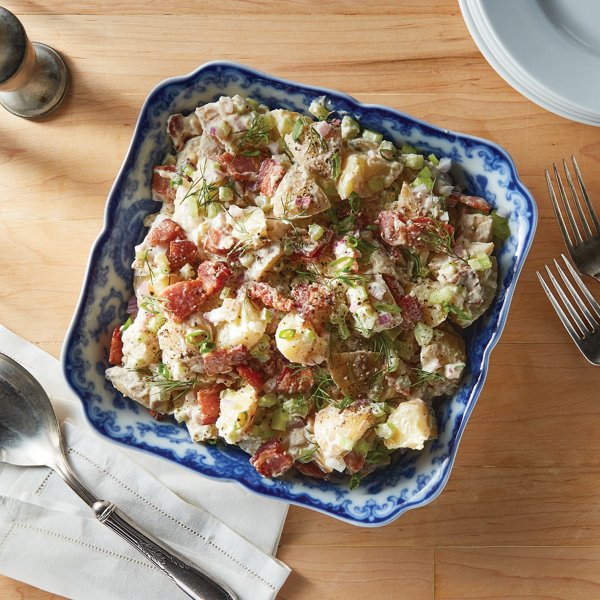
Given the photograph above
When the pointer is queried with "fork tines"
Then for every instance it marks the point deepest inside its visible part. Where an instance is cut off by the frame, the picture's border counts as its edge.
(589, 232)
(580, 318)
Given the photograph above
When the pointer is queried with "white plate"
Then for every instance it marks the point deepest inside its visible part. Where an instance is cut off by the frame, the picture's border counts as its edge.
(548, 50)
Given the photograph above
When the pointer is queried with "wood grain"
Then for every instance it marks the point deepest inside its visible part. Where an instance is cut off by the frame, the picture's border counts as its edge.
(520, 516)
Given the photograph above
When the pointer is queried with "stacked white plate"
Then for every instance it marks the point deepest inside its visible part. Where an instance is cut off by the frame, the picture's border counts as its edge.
(548, 50)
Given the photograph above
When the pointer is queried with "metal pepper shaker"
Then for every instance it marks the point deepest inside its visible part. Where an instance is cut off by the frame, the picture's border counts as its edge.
(33, 77)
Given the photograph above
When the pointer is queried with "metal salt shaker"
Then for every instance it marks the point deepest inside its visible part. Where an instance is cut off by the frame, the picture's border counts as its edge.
(33, 77)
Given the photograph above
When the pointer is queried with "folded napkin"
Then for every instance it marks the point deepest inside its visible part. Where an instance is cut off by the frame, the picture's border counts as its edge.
(50, 539)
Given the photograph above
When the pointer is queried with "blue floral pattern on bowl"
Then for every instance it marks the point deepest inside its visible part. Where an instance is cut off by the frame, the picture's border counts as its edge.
(415, 478)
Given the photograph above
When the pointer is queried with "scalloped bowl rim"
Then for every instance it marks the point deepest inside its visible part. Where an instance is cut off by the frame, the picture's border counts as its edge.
(434, 489)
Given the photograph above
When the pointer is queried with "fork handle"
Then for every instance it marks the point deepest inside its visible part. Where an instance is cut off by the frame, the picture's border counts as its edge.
(194, 582)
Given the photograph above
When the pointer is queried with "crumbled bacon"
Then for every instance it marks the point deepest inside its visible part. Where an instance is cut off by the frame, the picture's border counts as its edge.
(295, 381)
(162, 191)
(269, 296)
(311, 469)
(165, 232)
(240, 168)
(214, 276)
(184, 298)
(472, 201)
(412, 311)
(271, 459)
(269, 176)
(217, 242)
(181, 129)
(115, 356)
(182, 252)
(209, 401)
(314, 302)
(224, 360)
(252, 376)
(354, 461)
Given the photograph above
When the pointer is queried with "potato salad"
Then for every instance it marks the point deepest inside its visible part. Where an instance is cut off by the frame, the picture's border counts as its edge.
(302, 289)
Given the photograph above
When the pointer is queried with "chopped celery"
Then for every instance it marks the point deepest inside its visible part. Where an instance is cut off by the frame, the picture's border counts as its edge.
(481, 262)
(372, 136)
(428, 183)
(212, 210)
(318, 109)
(388, 150)
(268, 400)
(225, 194)
(350, 128)
(287, 334)
(425, 173)
(433, 159)
(385, 431)
(414, 161)
(423, 334)
(297, 406)
(298, 128)
(500, 227)
(315, 232)
(280, 419)
(442, 295)
(361, 447)
(155, 322)
(408, 149)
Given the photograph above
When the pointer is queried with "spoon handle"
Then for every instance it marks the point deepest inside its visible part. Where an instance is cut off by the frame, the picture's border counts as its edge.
(191, 580)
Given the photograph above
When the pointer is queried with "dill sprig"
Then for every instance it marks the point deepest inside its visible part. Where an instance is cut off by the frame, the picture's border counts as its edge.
(440, 239)
(426, 377)
(255, 136)
(149, 266)
(161, 378)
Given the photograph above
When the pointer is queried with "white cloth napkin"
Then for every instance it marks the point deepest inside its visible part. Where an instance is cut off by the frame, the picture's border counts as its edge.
(50, 539)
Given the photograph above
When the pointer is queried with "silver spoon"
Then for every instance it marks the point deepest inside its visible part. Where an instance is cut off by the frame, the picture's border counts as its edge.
(30, 436)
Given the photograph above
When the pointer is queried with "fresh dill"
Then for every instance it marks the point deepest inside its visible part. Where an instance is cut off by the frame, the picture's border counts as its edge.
(414, 264)
(256, 136)
(426, 377)
(149, 266)
(162, 380)
(440, 239)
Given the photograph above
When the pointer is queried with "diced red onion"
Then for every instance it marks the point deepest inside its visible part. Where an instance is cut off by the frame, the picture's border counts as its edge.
(132, 306)
(384, 319)
(213, 131)
(322, 128)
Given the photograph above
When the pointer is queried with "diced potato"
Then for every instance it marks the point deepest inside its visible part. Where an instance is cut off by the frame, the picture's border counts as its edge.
(353, 372)
(298, 341)
(366, 175)
(410, 425)
(140, 346)
(336, 432)
(447, 350)
(237, 412)
(190, 414)
(265, 259)
(238, 322)
(131, 384)
(299, 196)
(476, 227)
(284, 120)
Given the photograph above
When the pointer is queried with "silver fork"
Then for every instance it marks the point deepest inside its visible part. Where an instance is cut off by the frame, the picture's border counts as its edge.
(584, 331)
(584, 250)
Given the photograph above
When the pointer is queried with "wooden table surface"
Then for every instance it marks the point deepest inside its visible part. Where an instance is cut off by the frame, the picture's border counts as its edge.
(520, 516)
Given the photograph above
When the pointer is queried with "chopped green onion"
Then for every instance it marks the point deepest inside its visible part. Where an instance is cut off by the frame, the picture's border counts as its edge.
(268, 400)
(344, 263)
(408, 149)
(207, 347)
(352, 241)
(335, 165)
(388, 151)
(250, 153)
(127, 324)
(354, 201)
(163, 371)
(287, 334)
(372, 136)
(298, 128)
(388, 308)
(500, 228)
(481, 262)
(433, 159)
(461, 314)
(195, 338)
(315, 232)
(350, 128)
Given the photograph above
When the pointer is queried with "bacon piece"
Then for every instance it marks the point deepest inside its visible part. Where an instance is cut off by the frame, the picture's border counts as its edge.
(314, 302)
(182, 252)
(224, 360)
(252, 376)
(412, 311)
(311, 250)
(217, 242)
(165, 232)
(354, 461)
(161, 185)
(311, 469)
(115, 355)
(473, 201)
(291, 381)
(209, 401)
(181, 129)
(213, 275)
(240, 168)
(394, 286)
(184, 298)
(269, 176)
(271, 459)
(269, 296)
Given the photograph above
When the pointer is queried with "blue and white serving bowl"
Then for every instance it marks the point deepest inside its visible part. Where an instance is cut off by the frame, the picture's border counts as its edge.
(417, 477)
